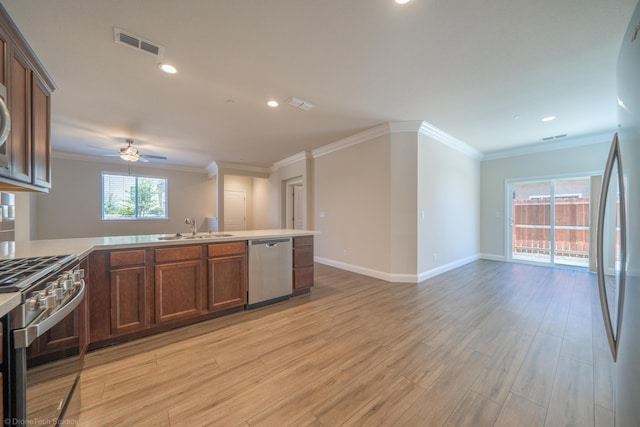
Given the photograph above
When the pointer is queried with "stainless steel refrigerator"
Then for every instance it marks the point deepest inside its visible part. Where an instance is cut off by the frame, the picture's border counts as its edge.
(619, 234)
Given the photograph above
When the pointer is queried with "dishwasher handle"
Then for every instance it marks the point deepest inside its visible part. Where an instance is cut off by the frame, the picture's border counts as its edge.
(269, 243)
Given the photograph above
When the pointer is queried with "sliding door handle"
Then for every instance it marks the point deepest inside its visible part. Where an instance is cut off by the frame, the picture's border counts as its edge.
(613, 336)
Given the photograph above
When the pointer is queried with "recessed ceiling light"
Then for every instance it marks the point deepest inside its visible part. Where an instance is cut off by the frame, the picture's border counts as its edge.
(402, 1)
(168, 68)
(548, 118)
(272, 103)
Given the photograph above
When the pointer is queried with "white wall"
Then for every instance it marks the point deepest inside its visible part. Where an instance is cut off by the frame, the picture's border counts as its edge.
(403, 206)
(449, 196)
(73, 206)
(352, 190)
(265, 206)
(495, 173)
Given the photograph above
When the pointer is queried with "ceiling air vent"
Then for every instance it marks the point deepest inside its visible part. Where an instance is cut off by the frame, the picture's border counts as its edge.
(549, 138)
(300, 103)
(138, 43)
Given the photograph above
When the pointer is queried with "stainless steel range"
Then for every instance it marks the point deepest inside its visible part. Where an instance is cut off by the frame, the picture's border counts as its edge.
(52, 288)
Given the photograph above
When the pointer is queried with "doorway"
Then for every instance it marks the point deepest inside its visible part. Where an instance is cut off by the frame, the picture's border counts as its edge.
(295, 199)
(235, 210)
(550, 221)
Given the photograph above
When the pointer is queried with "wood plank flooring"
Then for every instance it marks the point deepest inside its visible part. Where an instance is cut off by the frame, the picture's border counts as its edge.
(487, 344)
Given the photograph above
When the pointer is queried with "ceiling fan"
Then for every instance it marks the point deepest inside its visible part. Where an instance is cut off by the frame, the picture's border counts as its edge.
(131, 154)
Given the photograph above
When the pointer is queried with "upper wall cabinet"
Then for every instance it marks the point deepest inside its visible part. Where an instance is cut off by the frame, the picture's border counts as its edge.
(25, 157)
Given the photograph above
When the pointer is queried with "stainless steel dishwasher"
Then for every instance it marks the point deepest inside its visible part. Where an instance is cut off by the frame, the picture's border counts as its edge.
(270, 271)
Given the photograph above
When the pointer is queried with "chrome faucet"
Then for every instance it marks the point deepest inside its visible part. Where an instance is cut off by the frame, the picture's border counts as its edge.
(191, 222)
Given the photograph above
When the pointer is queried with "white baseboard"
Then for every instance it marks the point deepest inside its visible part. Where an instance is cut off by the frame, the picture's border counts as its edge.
(397, 278)
(444, 268)
(492, 257)
(367, 271)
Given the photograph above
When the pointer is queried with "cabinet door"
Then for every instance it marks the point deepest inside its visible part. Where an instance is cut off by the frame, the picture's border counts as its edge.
(41, 133)
(128, 300)
(19, 99)
(302, 264)
(227, 282)
(178, 290)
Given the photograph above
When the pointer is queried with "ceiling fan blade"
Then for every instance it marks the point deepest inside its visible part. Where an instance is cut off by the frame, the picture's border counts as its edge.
(142, 159)
(99, 148)
(151, 156)
(111, 155)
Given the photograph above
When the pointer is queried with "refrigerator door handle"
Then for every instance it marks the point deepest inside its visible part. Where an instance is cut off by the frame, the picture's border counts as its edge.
(613, 337)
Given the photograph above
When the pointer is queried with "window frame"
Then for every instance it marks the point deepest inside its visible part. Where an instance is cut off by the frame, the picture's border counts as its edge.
(137, 177)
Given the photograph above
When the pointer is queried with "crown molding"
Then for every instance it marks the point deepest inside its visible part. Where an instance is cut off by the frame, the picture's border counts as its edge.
(303, 155)
(214, 168)
(427, 129)
(116, 160)
(550, 146)
(359, 137)
(411, 126)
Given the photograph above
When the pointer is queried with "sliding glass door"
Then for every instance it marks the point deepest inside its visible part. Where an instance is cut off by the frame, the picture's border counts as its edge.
(550, 221)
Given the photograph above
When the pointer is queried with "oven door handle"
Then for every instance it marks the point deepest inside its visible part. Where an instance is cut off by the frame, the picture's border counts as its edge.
(24, 337)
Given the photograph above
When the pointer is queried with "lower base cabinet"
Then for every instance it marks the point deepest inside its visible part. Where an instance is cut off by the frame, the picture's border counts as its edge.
(138, 292)
(227, 284)
(302, 264)
(128, 296)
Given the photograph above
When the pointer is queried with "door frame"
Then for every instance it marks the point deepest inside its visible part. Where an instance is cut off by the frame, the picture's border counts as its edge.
(289, 184)
(508, 255)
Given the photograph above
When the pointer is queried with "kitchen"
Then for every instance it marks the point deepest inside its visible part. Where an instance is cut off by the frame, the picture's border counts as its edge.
(404, 239)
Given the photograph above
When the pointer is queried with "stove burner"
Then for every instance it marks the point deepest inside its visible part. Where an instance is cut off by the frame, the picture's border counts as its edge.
(17, 274)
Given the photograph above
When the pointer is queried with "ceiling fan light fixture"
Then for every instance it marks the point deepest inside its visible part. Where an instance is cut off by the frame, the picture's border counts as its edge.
(129, 153)
(130, 157)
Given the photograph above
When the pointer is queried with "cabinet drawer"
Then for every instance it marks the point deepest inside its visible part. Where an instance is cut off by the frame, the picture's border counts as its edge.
(125, 258)
(303, 241)
(178, 254)
(221, 249)
(302, 256)
(303, 278)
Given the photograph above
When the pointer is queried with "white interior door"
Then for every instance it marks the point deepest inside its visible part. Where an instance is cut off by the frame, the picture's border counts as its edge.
(298, 200)
(235, 210)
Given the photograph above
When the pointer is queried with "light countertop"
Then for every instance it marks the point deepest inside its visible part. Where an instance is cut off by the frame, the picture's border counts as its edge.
(82, 247)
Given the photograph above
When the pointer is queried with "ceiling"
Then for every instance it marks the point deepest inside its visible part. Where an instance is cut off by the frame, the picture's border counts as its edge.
(467, 68)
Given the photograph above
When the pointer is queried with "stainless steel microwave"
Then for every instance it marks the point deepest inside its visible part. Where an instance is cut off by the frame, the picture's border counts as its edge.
(5, 126)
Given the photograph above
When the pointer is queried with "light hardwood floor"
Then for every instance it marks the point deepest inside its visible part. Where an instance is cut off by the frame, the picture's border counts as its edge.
(487, 344)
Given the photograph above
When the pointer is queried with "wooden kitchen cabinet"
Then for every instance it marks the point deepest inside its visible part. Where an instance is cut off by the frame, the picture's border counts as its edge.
(26, 164)
(227, 275)
(41, 132)
(128, 291)
(302, 264)
(118, 293)
(178, 283)
(19, 103)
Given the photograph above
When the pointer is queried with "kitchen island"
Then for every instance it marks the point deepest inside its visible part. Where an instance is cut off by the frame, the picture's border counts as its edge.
(141, 285)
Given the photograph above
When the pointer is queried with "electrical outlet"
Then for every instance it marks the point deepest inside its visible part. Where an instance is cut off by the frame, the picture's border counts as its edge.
(344, 252)
(435, 255)
(321, 214)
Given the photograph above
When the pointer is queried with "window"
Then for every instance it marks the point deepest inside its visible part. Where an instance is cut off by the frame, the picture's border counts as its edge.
(133, 197)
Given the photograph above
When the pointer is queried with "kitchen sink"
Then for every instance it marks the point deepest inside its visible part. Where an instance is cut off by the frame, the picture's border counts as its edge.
(179, 236)
(172, 237)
